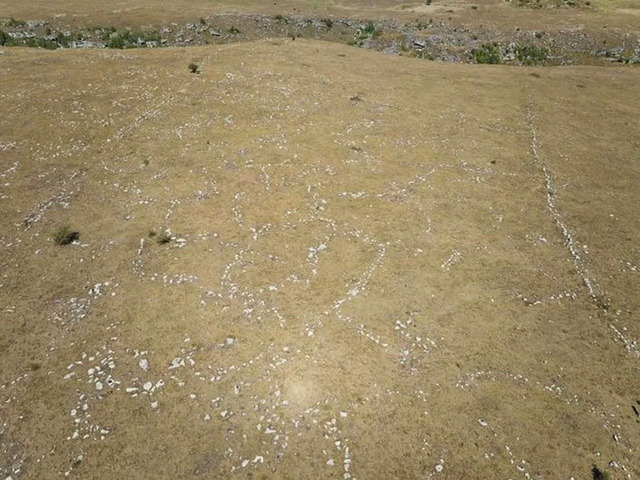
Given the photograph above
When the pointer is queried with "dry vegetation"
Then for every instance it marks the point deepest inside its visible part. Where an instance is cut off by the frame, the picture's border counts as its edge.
(300, 259)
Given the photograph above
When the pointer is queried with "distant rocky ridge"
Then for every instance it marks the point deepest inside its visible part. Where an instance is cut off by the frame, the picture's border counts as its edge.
(432, 40)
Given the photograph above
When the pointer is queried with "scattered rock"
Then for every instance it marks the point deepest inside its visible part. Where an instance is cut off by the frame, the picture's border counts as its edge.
(144, 364)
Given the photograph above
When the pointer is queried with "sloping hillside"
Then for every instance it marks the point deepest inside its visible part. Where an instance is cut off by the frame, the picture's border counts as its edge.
(314, 261)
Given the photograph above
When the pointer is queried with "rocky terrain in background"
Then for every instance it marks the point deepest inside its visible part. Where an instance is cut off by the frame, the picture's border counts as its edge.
(424, 38)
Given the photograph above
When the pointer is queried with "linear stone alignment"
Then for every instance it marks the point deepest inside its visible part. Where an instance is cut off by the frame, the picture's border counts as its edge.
(283, 267)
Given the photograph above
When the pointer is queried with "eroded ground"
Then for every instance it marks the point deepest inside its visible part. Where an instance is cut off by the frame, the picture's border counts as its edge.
(434, 276)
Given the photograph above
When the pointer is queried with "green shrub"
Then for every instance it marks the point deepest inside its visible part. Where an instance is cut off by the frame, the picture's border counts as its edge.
(328, 22)
(131, 39)
(105, 32)
(5, 39)
(487, 53)
(38, 42)
(194, 67)
(62, 40)
(65, 235)
(116, 41)
(528, 3)
(146, 36)
(369, 28)
(530, 54)
(424, 54)
(163, 238)
(366, 31)
(16, 23)
(234, 31)
(598, 474)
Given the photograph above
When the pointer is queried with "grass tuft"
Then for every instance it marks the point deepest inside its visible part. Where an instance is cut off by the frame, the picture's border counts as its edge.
(599, 474)
(65, 236)
(163, 238)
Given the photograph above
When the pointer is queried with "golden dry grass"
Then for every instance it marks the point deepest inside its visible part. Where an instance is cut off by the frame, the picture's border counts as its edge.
(615, 14)
(378, 262)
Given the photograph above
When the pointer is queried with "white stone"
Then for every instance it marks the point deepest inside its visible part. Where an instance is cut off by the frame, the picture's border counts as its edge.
(147, 386)
(144, 364)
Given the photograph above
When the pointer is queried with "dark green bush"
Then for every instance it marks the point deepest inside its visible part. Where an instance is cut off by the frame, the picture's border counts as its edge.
(62, 40)
(65, 235)
(117, 41)
(38, 42)
(369, 28)
(530, 54)
(487, 53)
(5, 39)
(598, 474)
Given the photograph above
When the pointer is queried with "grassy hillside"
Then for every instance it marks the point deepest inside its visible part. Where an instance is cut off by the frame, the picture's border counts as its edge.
(306, 260)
